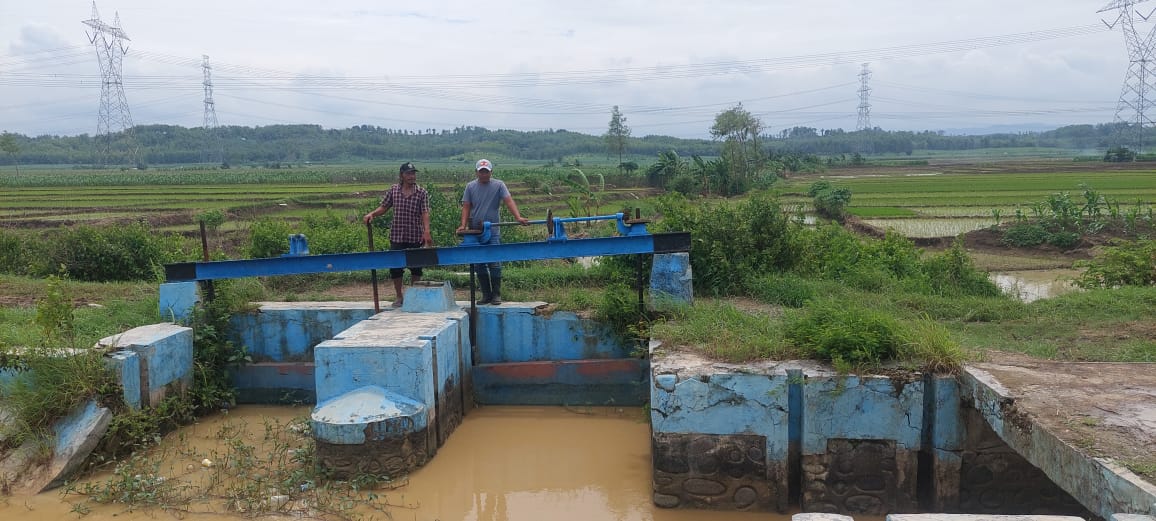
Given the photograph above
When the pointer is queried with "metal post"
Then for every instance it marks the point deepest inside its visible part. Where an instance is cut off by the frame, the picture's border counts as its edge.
(373, 273)
(473, 318)
(210, 291)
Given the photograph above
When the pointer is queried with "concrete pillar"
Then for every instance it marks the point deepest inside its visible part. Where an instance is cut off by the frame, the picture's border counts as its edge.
(671, 278)
(177, 300)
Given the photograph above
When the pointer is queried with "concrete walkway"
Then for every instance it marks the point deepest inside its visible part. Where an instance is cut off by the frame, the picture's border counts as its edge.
(1088, 426)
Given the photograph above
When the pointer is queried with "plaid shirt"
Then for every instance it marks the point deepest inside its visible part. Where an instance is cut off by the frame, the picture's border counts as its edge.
(407, 211)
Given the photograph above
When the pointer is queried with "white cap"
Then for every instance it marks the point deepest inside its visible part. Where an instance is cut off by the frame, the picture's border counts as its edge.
(484, 164)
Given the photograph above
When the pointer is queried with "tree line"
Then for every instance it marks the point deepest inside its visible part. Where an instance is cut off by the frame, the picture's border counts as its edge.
(239, 145)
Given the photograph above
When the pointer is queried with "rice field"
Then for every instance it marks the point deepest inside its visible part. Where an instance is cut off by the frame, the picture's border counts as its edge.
(924, 201)
(941, 204)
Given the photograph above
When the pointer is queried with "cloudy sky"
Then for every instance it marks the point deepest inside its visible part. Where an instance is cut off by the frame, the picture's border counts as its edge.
(670, 66)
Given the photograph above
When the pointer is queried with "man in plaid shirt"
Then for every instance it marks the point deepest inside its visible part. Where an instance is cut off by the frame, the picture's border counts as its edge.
(410, 224)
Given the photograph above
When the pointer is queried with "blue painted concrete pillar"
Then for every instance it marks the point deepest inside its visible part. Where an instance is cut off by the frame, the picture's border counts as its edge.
(177, 300)
(429, 297)
(671, 278)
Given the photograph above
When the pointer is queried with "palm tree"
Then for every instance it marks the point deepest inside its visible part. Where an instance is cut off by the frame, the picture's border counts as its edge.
(668, 166)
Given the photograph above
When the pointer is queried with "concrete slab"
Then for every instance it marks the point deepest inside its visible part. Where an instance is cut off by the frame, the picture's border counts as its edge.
(1131, 517)
(76, 435)
(1082, 424)
(977, 517)
(817, 516)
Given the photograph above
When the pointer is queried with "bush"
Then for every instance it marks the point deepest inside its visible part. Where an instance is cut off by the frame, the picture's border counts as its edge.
(12, 253)
(268, 238)
(685, 184)
(331, 233)
(113, 253)
(953, 273)
(1130, 263)
(730, 240)
(829, 201)
(212, 219)
(1025, 235)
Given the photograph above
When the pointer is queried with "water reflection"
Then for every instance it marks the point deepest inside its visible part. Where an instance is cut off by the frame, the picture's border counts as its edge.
(1033, 285)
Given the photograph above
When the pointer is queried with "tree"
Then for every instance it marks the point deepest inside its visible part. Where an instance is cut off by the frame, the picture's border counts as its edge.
(739, 130)
(9, 146)
(668, 167)
(617, 133)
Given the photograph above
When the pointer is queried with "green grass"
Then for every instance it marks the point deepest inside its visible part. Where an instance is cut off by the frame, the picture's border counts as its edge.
(721, 331)
(881, 211)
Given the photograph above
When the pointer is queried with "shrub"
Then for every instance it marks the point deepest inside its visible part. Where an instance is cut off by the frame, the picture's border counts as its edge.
(1129, 263)
(212, 219)
(953, 273)
(1024, 235)
(128, 252)
(1064, 239)
(268, 238)
(12, 253)
(619, 310)
(729, 240)
(829, 201)
(684, 184)
(328, 232)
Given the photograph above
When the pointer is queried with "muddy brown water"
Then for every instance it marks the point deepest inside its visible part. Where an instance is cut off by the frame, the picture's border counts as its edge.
(502, 463)
(1032, 285)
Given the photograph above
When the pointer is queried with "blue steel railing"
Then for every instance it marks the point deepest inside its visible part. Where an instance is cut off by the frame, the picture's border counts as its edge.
(633, 239)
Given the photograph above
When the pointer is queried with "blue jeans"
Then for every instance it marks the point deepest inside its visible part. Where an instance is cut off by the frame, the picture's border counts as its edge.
(493, 269)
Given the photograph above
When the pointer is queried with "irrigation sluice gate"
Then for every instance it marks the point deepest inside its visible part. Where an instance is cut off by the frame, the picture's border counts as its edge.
(391, 387)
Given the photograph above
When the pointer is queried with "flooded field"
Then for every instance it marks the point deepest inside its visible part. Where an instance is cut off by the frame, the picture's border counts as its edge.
(1033, 285)
(922, 228)
(503, 463)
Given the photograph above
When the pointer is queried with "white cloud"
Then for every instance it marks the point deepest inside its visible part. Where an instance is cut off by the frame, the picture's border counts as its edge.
(670, 66)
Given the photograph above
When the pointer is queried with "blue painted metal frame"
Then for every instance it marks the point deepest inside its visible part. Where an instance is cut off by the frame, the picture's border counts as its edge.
(426, 257)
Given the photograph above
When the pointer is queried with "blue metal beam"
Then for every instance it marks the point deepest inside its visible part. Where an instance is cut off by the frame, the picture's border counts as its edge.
(426, 257)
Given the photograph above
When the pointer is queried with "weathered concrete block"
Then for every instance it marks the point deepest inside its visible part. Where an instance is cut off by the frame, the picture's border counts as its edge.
(76, 435)
(671, 278)
(1100, 485)
(815, 516)
(1131, 517)
(165, 354)
(178, 300)
(977, 517)
(288, 331)
(697, 405)
(863, 433)
(530, 332)
(429, 297)
(390, 391)
(127, 365)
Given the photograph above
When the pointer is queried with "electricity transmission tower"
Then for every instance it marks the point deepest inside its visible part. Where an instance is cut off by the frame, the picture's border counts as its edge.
(864, 102)
(1140, 80)
(114, 114)
(213, 152)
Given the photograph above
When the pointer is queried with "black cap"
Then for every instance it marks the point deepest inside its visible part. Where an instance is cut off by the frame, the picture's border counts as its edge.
(407, 167)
